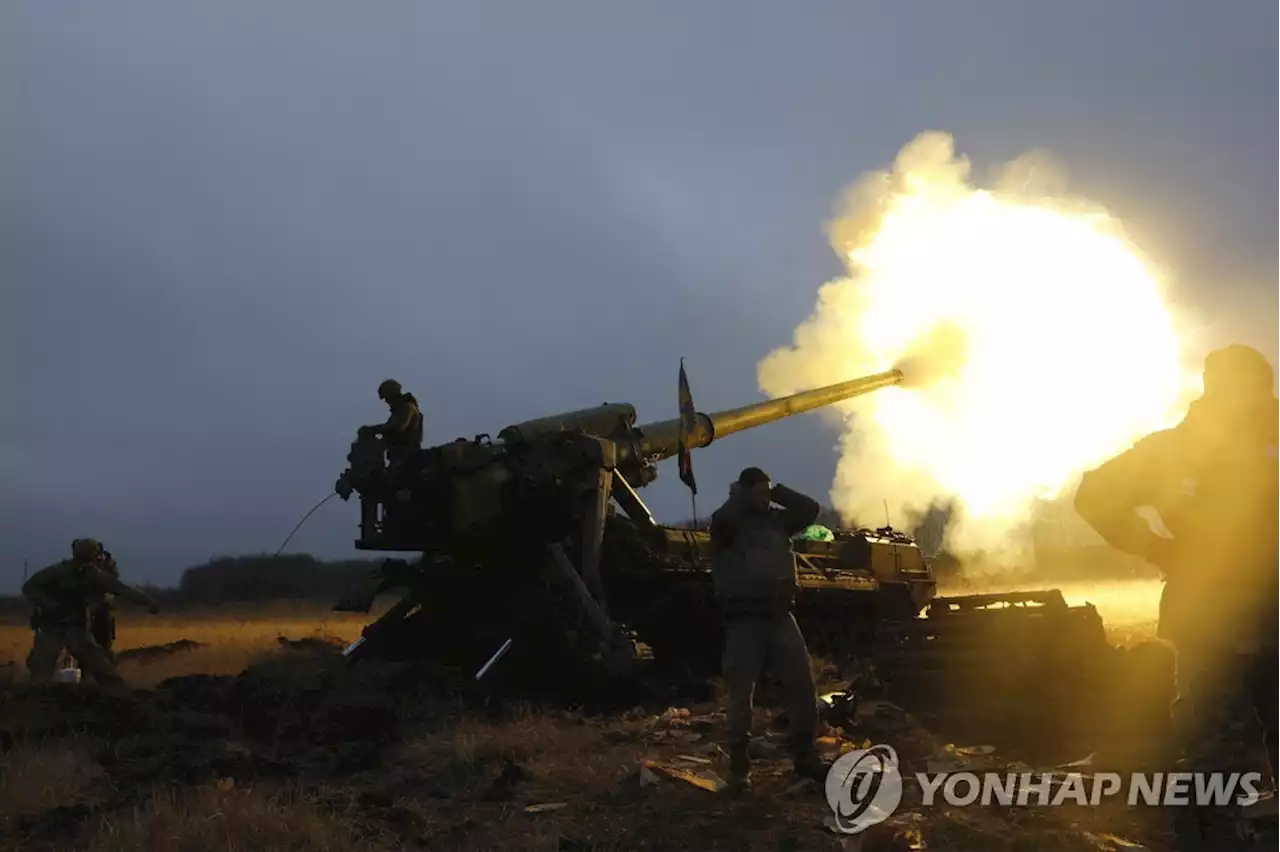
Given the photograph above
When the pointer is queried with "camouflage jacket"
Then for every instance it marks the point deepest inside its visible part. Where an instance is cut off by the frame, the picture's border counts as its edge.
(1214, 486)
(404, 427)
(753, 566)
(61, 593)
(102, 600)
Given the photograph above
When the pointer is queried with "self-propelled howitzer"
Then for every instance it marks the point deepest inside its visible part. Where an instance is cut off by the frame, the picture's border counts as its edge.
(533, 502)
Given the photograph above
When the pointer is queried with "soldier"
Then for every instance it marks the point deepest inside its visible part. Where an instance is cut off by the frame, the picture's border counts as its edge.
(102, 616)
(403, 429)
(60, 596)
(1213, 481)
(754, 576)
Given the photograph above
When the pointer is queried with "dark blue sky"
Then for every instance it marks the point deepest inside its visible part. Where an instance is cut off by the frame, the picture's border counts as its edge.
(222, 225)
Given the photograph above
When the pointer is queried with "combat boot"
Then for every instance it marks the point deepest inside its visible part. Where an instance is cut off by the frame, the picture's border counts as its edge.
(807, 766)
(739, 769)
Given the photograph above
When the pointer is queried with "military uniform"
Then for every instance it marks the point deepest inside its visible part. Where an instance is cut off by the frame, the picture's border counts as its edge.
(60, 596)
(402, 431)
(1213, 481)
(102, 614)
(754, 576)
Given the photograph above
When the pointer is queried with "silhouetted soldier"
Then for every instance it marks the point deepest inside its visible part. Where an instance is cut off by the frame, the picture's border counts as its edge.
(754, 575)
(60, 596)
(102, 611)
(403, 430)
(1213, 481)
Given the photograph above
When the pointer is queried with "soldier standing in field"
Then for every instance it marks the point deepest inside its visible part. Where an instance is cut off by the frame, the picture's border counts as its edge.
(754, 576)
(1213, 481)
(60, 596)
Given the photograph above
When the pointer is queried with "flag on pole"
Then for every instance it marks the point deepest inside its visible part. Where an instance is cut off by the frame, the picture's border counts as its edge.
(688, 424)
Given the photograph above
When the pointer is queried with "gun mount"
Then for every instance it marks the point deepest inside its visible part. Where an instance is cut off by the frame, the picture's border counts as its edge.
(538, 493)
(539, 476)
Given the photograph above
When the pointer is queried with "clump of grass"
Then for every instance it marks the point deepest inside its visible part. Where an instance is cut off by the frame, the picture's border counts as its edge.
(232, 820)
(35, 779)
(577, 760)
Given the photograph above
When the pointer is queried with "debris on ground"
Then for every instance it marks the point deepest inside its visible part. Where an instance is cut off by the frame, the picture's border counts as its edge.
(901, 832)
(544, 807)
(677, 726)
(704, 779)
(1265, 807)
(881, 714)
(839, 744)
(1084, 761)
(675, 714)
(975, 758)
(1111, 843)
(838, 708)
(648, 777)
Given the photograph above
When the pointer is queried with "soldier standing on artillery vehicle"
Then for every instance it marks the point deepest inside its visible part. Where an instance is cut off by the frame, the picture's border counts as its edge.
(754, 576)
(1213, 481)
(60, 596)
(403, 430)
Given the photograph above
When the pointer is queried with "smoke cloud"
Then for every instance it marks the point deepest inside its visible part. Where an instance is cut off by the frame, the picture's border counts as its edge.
(1034, 339)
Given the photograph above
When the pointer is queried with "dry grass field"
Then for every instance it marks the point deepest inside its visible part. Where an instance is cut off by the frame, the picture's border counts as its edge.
(230, 639)
(38, 778)
(450, 782)
(292, 755)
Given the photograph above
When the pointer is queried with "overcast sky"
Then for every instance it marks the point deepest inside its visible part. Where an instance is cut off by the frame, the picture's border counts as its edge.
(222, 224)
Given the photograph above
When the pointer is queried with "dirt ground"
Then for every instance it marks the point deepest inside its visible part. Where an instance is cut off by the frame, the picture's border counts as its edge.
(248, 742)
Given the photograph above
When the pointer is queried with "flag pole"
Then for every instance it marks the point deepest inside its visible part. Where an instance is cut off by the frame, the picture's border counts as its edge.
(687, 414)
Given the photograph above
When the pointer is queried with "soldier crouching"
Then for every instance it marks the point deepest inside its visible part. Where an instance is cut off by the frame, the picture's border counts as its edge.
(754, 575)
(60, 596)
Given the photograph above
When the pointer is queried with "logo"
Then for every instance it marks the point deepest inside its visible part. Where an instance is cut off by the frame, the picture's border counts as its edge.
(864, 787)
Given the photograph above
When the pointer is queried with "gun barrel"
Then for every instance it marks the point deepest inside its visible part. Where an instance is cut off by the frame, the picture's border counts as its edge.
(661, 440)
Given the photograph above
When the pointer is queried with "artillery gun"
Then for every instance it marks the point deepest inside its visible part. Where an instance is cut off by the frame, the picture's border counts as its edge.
(512, 529)
(538, 543)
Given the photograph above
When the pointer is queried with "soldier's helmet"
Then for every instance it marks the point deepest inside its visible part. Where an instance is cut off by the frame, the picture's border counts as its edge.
(388, 389)
(1237, 370)
(86, 549)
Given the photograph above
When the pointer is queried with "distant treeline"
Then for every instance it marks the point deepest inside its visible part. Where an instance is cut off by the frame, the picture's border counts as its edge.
(248, 579)
(264, 578)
